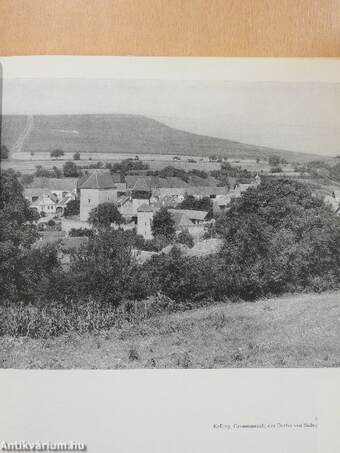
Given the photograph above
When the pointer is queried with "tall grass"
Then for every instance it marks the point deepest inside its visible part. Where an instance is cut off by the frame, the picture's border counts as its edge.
(52, 319)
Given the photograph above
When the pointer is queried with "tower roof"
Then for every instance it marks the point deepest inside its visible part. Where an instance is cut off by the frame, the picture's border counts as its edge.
(97, 180)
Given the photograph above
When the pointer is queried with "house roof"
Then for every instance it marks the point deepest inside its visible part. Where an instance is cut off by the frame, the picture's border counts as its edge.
(222, 200)
(141, 185)
(43, 200)
(206, 191)
(206, 247)
(191, 214)
(97, 180)
(145, 208)
(65, 184)
(181, 219)
(35, 192)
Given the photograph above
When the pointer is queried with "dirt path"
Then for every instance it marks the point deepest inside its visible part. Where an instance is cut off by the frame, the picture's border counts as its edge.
(19, 144)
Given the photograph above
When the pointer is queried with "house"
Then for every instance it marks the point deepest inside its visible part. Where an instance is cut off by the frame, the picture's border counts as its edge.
(220, 203)
(44, 204)
(55, 188)
(138, 195)
(196, 217)
(177, 187)
(98, 187)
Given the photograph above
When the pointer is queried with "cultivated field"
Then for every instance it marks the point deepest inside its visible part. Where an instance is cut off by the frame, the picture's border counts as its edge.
(290, 331)
(25, 163)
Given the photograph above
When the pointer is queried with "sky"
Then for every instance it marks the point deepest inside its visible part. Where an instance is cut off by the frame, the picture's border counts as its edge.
(300, 116)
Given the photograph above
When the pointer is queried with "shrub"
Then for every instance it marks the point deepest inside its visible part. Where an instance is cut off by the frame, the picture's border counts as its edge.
(80, 232)
(184, 237)
(71, 170)
(72, 208)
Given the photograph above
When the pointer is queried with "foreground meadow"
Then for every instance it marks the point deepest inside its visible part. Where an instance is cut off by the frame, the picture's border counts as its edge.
(290, 331)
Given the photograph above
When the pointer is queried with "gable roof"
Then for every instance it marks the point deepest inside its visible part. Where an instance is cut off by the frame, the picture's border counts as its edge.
(65, 184)
(97, 180)
(43, 201)
(181, 219)
(145, 208)
(191, 214)
(141, 186)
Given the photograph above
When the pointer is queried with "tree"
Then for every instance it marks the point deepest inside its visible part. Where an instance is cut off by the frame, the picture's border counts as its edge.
(72, 208)
(17, 234)
(274, 161)
(104, 214)
(163, 224)
(45, 173)
(279, 237)
(71, 170)
(76, 156)
(183, 279)
(27, 179)
(276, 170)
(4, 152)
(56, 153)
(184, 237)
(102, 269)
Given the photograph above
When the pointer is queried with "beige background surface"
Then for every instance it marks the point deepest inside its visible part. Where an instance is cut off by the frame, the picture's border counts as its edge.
(308, 28)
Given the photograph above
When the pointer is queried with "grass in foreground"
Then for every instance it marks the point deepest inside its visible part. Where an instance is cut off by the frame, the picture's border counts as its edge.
(290, 331)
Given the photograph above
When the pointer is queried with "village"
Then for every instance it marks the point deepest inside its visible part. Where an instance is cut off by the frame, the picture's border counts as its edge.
(138, 198)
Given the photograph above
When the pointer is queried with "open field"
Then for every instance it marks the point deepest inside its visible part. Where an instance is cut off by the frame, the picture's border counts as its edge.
(290, 331)
(25, 163)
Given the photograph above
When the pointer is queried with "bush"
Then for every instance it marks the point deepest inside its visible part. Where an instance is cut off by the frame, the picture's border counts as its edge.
(156, 244)
(276, 170)
(184, 237)
(71, 170)
(80, 232)
(72, 208)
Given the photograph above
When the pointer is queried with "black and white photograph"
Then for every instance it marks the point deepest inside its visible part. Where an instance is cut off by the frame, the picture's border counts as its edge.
(155, 222)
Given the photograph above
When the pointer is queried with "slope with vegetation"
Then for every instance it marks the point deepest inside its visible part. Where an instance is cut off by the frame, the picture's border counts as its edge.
(137, 134)
(290, 331)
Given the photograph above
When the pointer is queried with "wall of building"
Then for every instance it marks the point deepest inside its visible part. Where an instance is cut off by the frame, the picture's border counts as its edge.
(137, 202)
(144, 222)
(68, 224)
(91, 198)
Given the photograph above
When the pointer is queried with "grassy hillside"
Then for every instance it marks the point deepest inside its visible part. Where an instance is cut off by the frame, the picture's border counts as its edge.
(115, 133)
(291, 331)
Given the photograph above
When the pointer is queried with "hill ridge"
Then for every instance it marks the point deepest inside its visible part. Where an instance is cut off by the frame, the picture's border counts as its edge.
(129, 133)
